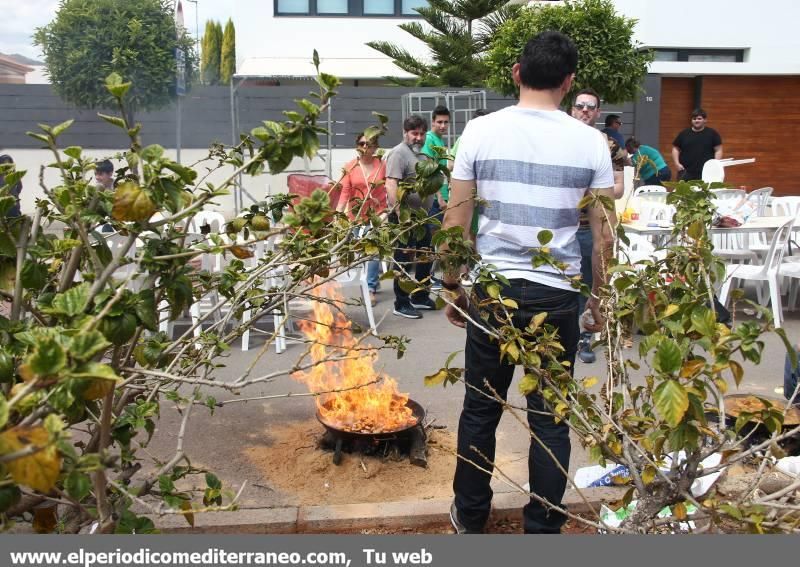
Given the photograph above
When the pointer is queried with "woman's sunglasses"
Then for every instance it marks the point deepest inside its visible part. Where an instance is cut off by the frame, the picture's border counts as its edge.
(365, 144)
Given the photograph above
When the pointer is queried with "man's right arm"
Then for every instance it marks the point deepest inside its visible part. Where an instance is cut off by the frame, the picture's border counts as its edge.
(676, 158)
(391, 185)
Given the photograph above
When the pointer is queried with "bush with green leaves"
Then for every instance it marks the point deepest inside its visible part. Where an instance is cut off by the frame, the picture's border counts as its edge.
(85, 372)
(90, 39)
(610, 61)
(661, 429)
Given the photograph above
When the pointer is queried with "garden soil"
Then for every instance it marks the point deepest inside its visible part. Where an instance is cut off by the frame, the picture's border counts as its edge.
(291, 463)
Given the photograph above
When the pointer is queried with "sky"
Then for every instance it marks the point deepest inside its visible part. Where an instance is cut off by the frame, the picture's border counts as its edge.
(22, 17)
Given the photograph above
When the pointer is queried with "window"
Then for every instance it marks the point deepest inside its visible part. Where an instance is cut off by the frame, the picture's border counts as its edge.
(349, 8)
(700, 55)
(331, 6)
(409, 5)
(292, 6)
(379, 7)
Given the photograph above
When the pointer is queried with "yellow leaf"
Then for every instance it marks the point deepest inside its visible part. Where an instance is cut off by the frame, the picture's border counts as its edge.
(38, 470)
(45, 519)
(679, 511)
(510, 303)
(186, 505)
(493, 290)
(737, 371)
(537, 321)
(26, 373)
(241, 252)
(589, 381)
(131, 203)
(648, 474)
(670, 310)
(435, 379)
(97, 389)
(691, 367)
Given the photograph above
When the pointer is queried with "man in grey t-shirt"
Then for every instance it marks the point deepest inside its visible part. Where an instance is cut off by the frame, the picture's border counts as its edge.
(401, 166)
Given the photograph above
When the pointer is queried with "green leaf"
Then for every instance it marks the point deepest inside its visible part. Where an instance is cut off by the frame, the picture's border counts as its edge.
(96, 370)
(672, 401)
(77, 485)
(86, 345)
(212, 481)
(146, 310)
(115, 85)
(73, 301)
(58, 130)
(668, 357)
(3, 411)
(115, 120)
(544, 237)
(152, 152)
(7, 246)
(704, 321)
(47, 358)
(737, 371)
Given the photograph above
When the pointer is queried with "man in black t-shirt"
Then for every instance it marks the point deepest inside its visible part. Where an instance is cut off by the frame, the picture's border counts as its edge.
(693, 147)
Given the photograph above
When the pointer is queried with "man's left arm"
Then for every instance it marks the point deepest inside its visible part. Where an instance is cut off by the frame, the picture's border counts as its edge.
(602, 222)
(717, 145)
(458, 213)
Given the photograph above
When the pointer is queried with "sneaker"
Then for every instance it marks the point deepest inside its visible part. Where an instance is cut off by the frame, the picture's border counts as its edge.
(425, 303)
(585, 352)
(407, 311)
(436, 284)
(460, 528)
(372, 299)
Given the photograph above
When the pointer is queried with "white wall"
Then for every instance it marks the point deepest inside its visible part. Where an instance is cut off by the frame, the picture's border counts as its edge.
(766, 30)
(259, 34)
(258, 187)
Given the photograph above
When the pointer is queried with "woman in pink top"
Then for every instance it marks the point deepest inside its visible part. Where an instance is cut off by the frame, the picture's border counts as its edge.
(363, 182)
(363, 190)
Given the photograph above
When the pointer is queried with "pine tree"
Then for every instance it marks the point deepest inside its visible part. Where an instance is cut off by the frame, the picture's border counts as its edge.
(228, 54)
(460, 35)
(212, 42)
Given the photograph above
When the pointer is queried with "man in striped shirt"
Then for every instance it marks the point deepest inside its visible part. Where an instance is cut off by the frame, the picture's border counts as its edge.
(531, 164)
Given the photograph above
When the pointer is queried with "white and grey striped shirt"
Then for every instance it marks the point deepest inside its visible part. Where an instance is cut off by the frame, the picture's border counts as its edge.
(532, 168)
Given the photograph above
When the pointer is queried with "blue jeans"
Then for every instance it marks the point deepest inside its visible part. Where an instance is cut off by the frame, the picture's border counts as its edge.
(664, 174)
(790, 380)
(480, 414)
(373, 274)
(414, 257)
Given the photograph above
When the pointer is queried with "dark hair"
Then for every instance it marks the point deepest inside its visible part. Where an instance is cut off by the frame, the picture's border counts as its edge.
(363, 134)
(547, 60)
(590, 92)
(414, 122)
(440, 110)
(699, 112)
(5, 158)
(481, 112)
(632, 143)
(611, 118)
(104, 166)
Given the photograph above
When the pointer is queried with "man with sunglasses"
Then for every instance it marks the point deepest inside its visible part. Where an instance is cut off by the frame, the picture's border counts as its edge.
(694, 146)
(586, 108)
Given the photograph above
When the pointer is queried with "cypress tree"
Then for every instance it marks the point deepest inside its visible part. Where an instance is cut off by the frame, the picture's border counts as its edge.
(228, 54)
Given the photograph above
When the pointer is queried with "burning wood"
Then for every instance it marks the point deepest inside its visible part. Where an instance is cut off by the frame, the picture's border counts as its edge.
(365, 405)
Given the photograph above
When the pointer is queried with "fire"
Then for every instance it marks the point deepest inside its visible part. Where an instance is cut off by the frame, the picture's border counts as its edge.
(372, 408)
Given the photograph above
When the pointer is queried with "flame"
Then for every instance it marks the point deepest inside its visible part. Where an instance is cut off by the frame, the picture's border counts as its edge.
(362, 406)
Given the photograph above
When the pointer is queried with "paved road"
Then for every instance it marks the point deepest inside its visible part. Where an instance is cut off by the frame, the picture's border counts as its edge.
(218, 441)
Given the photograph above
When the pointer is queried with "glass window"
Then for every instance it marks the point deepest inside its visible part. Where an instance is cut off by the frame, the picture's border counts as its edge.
(664, 55)
(331, 6)
(716, 58)
(409, 5)
(293, 6)
(379, 7)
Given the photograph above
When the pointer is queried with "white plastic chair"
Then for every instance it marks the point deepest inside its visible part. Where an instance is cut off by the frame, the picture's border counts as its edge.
(357, 276)
(649, 189)
(713, 171)
(769, 273)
